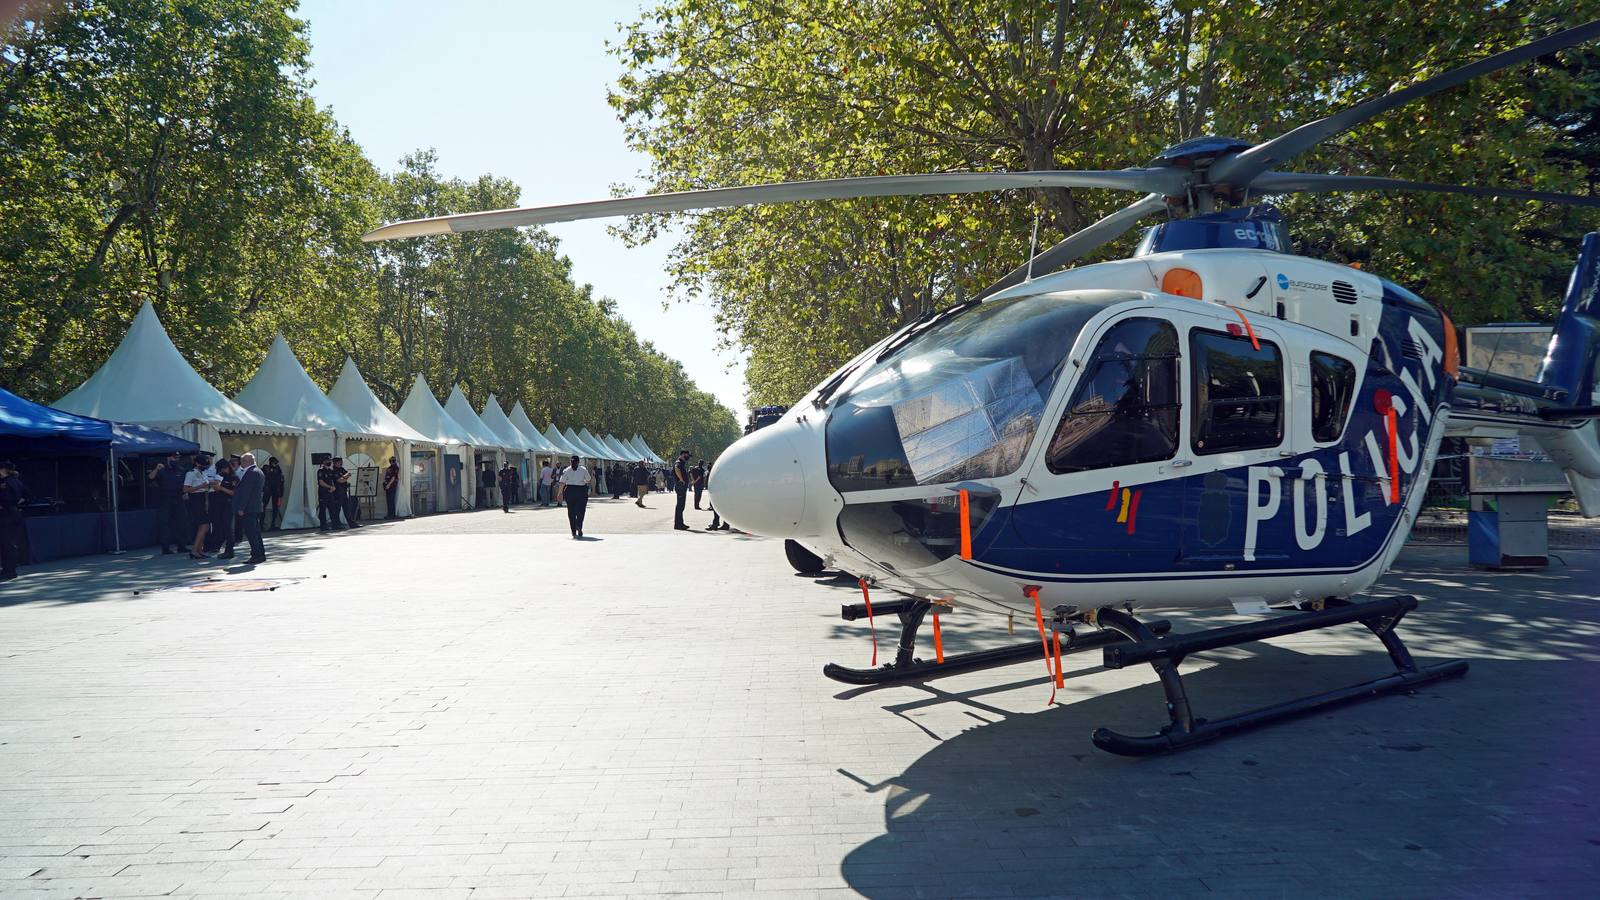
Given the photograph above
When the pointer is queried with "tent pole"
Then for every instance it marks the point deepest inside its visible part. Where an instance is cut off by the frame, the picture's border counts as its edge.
(116, 518)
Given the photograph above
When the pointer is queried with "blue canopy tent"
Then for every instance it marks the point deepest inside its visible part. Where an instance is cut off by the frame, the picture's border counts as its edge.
(33, 431)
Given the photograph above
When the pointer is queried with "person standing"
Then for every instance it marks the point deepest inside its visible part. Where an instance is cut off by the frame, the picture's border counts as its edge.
(247, 504)
(325, 496)
(272, 494)
(508, 486)
(391, 487)
(222, 514)
(697, 479)
(641, 482)
(575, 488)
(342, 501)
(547, 476)
(13, 494)
(168, 479)
(680, 486)
(196, 492)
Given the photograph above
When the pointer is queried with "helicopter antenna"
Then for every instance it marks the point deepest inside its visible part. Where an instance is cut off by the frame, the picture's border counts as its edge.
(1033, 245)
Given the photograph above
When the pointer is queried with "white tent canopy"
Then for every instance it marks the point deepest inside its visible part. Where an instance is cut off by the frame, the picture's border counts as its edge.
(539, 443)
(494, 418)
(559, 441)
(592, 441)
(617, 447)
(282, 390)
(483, 437)
(645, 449)
(148, 382)
(583, 446)
(423, 412)
(356, 400)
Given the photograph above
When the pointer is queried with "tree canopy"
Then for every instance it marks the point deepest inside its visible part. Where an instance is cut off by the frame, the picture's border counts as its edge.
(170, 151)
(725, 92)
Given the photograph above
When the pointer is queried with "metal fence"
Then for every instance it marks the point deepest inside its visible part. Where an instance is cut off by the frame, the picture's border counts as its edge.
(1443, 518)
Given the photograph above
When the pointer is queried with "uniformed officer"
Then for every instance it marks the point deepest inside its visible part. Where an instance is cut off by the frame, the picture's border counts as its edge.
(343, 502)
(391, 486)
(167, 476)
(13, 493)
(508, 485)
(680, 486)
(697, 479)
(272, 494)
(325, 497)
(575, 478)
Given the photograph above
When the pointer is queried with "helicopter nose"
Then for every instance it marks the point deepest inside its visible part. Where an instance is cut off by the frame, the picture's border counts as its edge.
(759, 485)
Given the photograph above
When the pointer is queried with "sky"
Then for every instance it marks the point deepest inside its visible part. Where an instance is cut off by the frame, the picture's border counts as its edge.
(517, 89)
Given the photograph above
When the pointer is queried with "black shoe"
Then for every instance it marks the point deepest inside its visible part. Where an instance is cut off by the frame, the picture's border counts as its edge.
(224, 556)
(166, 551)
(256, 560)
(580, 533)
(681, 527)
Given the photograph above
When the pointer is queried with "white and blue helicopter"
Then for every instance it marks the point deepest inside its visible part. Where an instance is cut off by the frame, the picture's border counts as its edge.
(1212, 423)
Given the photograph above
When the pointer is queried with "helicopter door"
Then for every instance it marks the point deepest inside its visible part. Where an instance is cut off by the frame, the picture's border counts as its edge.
(1100, 494)
(1238, 424)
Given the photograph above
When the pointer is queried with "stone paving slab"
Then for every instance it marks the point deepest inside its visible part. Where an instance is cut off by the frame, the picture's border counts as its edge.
(475, 705)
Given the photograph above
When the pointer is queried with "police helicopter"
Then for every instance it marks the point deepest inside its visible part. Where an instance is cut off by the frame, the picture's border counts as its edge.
(1212, 423)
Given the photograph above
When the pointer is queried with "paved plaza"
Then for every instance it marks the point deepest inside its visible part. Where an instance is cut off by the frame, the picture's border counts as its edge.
(475, 705)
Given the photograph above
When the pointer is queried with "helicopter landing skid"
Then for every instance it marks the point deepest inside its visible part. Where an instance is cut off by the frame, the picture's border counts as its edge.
(906, 667)
(1164, 654)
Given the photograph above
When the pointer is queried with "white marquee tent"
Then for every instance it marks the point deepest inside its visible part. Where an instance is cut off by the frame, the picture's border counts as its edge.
(423, 412)
(645, 448)
(494, 418)
(589, 449)
(487, 446)
(148, 382)
(355, 399)
(623, 453)
(559, 441)
(541, 445)
(282, 390)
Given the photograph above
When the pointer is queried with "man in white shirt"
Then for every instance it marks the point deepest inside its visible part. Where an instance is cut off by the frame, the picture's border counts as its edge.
(546, 476)
(575, 488)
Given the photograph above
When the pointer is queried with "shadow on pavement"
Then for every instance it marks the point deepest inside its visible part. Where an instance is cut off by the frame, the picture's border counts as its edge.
(1483, 785)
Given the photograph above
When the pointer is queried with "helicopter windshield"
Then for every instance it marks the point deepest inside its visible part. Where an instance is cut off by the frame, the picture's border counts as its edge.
(961, 400)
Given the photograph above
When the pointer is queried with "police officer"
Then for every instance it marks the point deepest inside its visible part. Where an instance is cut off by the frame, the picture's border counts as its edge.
(391, 487)
(13, 493)
(343, 502)
(508, 485)
(575, 478)
(325, 497)
(680, 486)
(167, 476)
(697, 478)
(272, 494)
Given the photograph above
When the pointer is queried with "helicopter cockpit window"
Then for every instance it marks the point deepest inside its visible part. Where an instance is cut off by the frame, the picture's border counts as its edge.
(962, 400)
(1333, 383)
(1125, 410)
(1238, 393)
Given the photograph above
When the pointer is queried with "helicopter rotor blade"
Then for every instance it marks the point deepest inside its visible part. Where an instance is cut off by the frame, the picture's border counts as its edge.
(1081, 242)
(1165, 180)
(1243, 169)
(1293, 182)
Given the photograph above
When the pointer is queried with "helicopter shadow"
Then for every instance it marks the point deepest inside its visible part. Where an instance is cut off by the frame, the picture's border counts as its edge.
(1482, 785)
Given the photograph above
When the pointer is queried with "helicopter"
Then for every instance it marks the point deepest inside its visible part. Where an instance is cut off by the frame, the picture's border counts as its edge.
(1211, 423)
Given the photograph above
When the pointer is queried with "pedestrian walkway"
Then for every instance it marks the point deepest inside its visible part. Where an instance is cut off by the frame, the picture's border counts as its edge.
(475, 705)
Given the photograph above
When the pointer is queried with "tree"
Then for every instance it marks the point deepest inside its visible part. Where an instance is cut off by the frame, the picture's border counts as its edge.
(726, 92)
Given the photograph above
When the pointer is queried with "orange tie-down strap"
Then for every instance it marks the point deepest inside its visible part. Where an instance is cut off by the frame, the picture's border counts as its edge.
(938, 639)
(1255, 344)
(1392, 421)
(1044, 641)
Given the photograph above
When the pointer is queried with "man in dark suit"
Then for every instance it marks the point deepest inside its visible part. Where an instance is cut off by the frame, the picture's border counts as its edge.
(12, 496)
(247, 507)
(680, 486)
